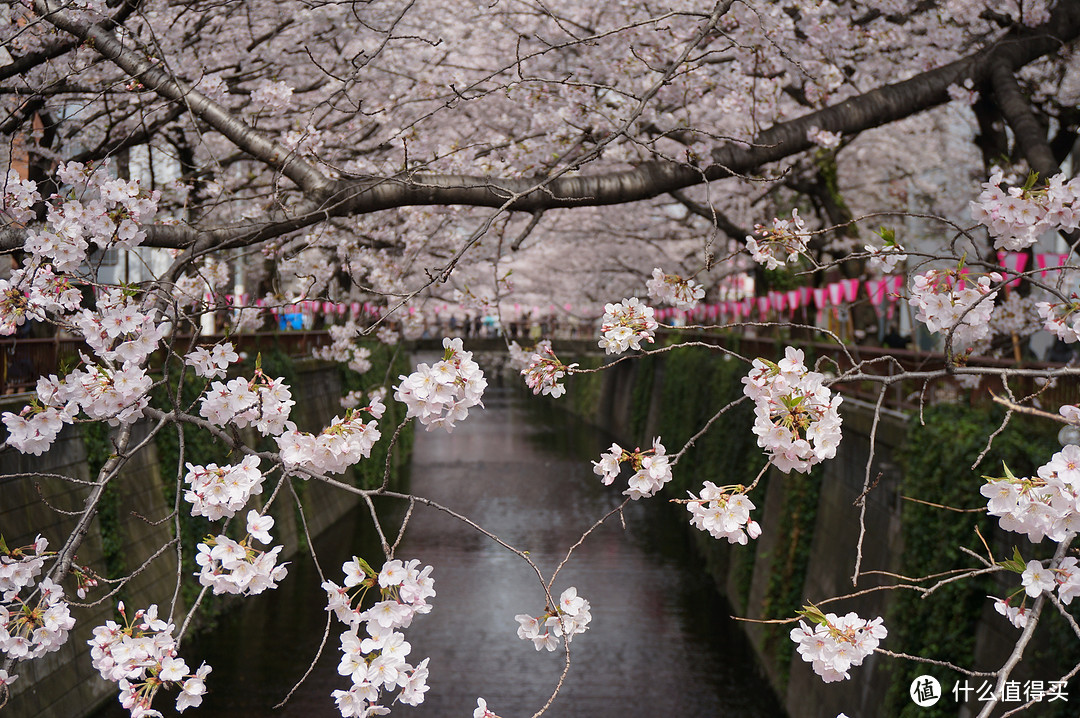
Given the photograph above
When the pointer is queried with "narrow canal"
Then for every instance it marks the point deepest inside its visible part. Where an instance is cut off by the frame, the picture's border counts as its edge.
(660, 642)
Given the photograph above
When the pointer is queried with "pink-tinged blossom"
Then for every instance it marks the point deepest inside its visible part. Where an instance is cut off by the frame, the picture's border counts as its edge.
(795, 415)
(650, 466)
(141, 657)
(377, 663)
(824, 138)
(723, 512)
(442, 394)
(570, 617)
(625, 325)
(229, 566)
(1016, 217)
(674, 290)
(1017, 615)
(219, 492)
(954, 301)
(784, 242)
(542, 370)
(1062, 319)
(835, 644)
(1036, 579)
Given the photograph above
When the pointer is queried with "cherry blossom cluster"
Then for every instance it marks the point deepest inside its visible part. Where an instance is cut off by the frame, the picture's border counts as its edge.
(1045, 505)
(954, 300)
(212, 363)
(1017, 216)
(886, 257)
(18, 197)
(541, 368)
(38, 624)
(795, 415)
(20, 566)
(441, 394)
(118, 330)
(723, 512)
(824, 138)
(783, 242)
(221, 491)
(625, 325)
(262, 402)
(31, 292)
(237, 566)
(674, 290)
(117, 396)
(141, 656)
(35, 428)
(1062, 319)
(569, 618)
(1016, 615)
(836, 643)
(342, 347)
(1015, 315)
(651, 469)
(1065, 577)
(97, 208)
(1036, 579)
(337, 447)
(377, 662)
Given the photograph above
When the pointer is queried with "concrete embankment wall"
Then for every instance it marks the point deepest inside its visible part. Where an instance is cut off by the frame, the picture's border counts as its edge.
(63, 684)
(811, 526)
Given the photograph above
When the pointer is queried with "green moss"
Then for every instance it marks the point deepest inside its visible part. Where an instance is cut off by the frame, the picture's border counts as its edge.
(936, 460)
(99, 447)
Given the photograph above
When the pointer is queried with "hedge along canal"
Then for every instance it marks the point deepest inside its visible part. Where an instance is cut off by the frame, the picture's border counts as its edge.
(660, 640)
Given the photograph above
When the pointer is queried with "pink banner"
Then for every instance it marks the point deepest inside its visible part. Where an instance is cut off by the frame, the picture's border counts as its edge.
(763, 306)
(1045, 261)
(851, 289)
(793, 301)
(836, 293)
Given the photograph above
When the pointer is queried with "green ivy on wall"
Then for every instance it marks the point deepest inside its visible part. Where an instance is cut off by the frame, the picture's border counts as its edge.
(936, 458)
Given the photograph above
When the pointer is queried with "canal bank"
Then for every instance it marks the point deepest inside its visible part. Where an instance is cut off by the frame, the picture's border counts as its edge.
(133, 525)
(810, 527)
(660, 640)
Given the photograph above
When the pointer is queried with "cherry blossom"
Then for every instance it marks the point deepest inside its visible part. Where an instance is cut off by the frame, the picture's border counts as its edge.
(955, 301)
(651, 469)
(376, 663)
(784, 242)
(625, 325)
(569, 618)
(442, 394)
(723, 512)
(541, 368)
(141, 657)
(674, 290)
(835, 643)
(795, 415)
(1017, 216)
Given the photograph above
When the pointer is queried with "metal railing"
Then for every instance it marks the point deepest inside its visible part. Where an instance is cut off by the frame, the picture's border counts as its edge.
(22, 361)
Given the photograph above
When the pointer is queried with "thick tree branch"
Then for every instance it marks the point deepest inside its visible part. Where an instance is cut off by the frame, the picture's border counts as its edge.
(719, 220)
(27, 62)
(650, 179)
(1029, 133)
(154, 77)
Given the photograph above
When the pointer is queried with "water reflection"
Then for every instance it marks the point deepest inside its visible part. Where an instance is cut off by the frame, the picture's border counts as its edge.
(660, 640)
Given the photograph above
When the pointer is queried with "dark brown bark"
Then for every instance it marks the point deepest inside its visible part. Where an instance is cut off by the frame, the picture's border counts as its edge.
(650, 179)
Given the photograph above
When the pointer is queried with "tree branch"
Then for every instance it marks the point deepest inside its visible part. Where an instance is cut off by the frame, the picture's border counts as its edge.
(1030, 134)
(154, 77)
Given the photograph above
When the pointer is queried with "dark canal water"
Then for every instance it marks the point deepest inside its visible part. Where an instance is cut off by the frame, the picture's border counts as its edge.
(660, 642)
